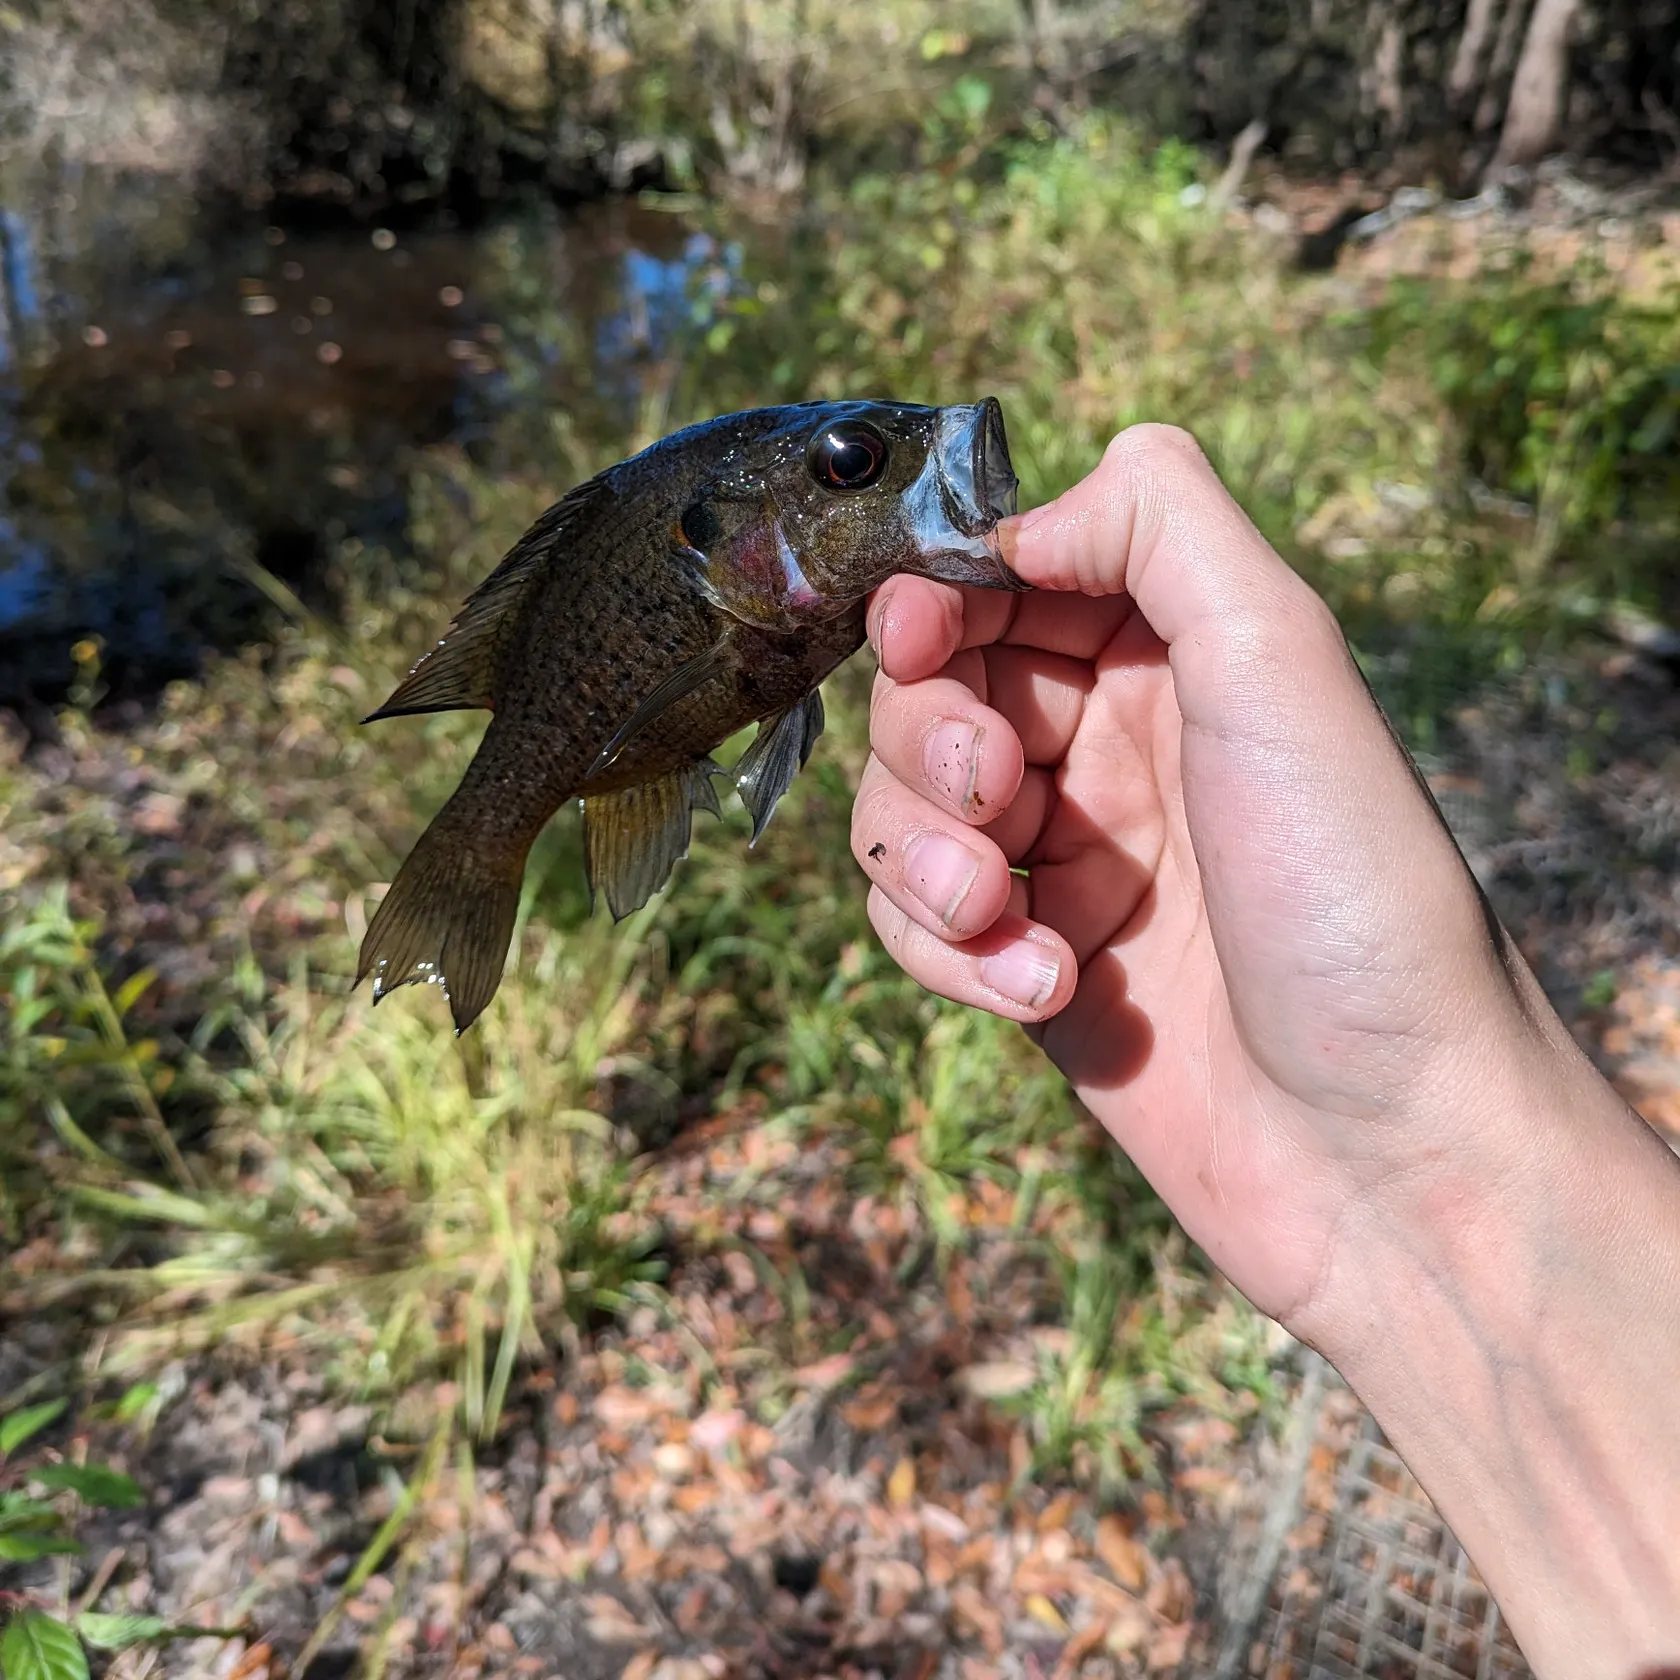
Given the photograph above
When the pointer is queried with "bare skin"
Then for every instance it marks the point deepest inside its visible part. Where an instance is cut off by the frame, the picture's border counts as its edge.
(1249, 942)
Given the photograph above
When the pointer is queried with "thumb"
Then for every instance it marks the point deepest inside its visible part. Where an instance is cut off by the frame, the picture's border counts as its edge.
(1319, 851)
(1154, 522)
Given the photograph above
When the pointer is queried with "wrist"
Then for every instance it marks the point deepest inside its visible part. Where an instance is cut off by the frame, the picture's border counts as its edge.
(1509, 1309)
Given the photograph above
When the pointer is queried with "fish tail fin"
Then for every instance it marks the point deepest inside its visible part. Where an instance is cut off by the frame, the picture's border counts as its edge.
(634, 837)
(448, 917)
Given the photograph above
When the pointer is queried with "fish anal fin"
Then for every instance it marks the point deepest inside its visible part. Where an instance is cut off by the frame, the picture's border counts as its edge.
(633, 838)
(778, 753)
(677, 685)
(447, 919)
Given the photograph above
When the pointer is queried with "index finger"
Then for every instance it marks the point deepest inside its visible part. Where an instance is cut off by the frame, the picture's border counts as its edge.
(916, 625)
(1154, 522)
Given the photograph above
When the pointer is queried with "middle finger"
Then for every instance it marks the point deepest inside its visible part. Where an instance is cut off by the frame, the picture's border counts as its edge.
(939, 739)
(947, 745)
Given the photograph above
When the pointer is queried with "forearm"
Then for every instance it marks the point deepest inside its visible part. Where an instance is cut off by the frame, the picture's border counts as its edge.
(1513, 1322)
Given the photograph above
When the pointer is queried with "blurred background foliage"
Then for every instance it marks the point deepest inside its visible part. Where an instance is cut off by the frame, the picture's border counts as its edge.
(357, 100)
(310, 308)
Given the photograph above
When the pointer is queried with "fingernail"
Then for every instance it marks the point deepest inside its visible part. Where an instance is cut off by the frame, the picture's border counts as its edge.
(1024, 972)
(1011, 530)
(872, 620)
(939, 871)
(1006, 535)
(951, 759)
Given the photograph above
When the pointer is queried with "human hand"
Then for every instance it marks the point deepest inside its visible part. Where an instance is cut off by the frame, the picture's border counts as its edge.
(1244, 933)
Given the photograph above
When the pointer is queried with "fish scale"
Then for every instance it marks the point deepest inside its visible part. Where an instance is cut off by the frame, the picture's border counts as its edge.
(710, 582)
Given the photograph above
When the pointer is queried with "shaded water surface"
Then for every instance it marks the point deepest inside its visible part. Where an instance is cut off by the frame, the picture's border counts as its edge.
(189, 412)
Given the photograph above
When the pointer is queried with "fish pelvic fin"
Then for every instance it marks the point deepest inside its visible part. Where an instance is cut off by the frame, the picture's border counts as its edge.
(447, 920)
(633, 838)
(459, 673)
(778, 753)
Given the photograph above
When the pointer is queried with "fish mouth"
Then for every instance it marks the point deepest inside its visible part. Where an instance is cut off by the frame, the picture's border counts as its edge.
(967, 486)
(973, 454)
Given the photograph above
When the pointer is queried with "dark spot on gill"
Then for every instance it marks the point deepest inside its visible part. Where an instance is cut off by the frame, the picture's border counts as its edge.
(701, 526)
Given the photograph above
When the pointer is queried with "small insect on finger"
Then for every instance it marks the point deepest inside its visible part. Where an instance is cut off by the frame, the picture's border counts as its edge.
(878, 850)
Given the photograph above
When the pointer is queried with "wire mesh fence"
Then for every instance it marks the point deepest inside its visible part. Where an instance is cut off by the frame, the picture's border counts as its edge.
(1346, 1570)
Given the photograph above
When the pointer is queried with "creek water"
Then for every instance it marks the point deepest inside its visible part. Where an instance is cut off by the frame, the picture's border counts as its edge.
(194, 405)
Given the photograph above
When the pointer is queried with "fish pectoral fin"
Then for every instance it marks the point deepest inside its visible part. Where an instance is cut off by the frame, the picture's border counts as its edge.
(634, 838)
(777, 754)
(682, 682)
(447, 919)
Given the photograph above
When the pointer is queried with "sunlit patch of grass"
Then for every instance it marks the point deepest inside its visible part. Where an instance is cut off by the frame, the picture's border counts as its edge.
(419, 1203)
(1445, 458)
(67, 1053)
(1122, 1353)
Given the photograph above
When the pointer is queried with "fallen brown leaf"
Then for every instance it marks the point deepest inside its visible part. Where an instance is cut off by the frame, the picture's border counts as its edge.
(611, 1622)
(973, 1607)
(901, 1484)
(254, 1664)
(996, 1379)
(1083, 1643)
(1128, 1561)
(1167, 1648)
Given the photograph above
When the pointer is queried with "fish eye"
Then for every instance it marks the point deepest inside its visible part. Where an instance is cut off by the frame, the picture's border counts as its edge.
(850, 455)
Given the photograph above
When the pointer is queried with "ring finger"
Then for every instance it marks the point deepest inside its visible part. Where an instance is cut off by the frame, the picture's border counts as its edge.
(952, 879)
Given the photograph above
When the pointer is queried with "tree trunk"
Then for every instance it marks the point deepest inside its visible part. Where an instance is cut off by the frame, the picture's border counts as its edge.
(1497, 80)
(1464, 80)
(1388, 89)
(1534, 112)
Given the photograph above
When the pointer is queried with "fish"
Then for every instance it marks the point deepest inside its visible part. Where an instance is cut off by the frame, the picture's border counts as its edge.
(710, 582)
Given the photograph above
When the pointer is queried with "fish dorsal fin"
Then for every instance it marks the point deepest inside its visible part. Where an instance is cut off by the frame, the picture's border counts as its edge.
(674, 686)
(634, 838)
(459, 674)
(777, 754)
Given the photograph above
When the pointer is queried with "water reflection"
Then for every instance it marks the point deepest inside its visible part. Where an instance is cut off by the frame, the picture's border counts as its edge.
(179, 400)
(663, 297)
(20, 308)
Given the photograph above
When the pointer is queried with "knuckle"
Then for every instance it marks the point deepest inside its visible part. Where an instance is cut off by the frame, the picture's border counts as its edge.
(880, 699)
(1315, 623)
(1293, 628)
(866, 807)
(1154, 447)
(968, 668)
(1302, 619)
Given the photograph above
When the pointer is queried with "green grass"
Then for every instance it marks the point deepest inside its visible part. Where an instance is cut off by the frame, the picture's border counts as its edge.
(223, 1156)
